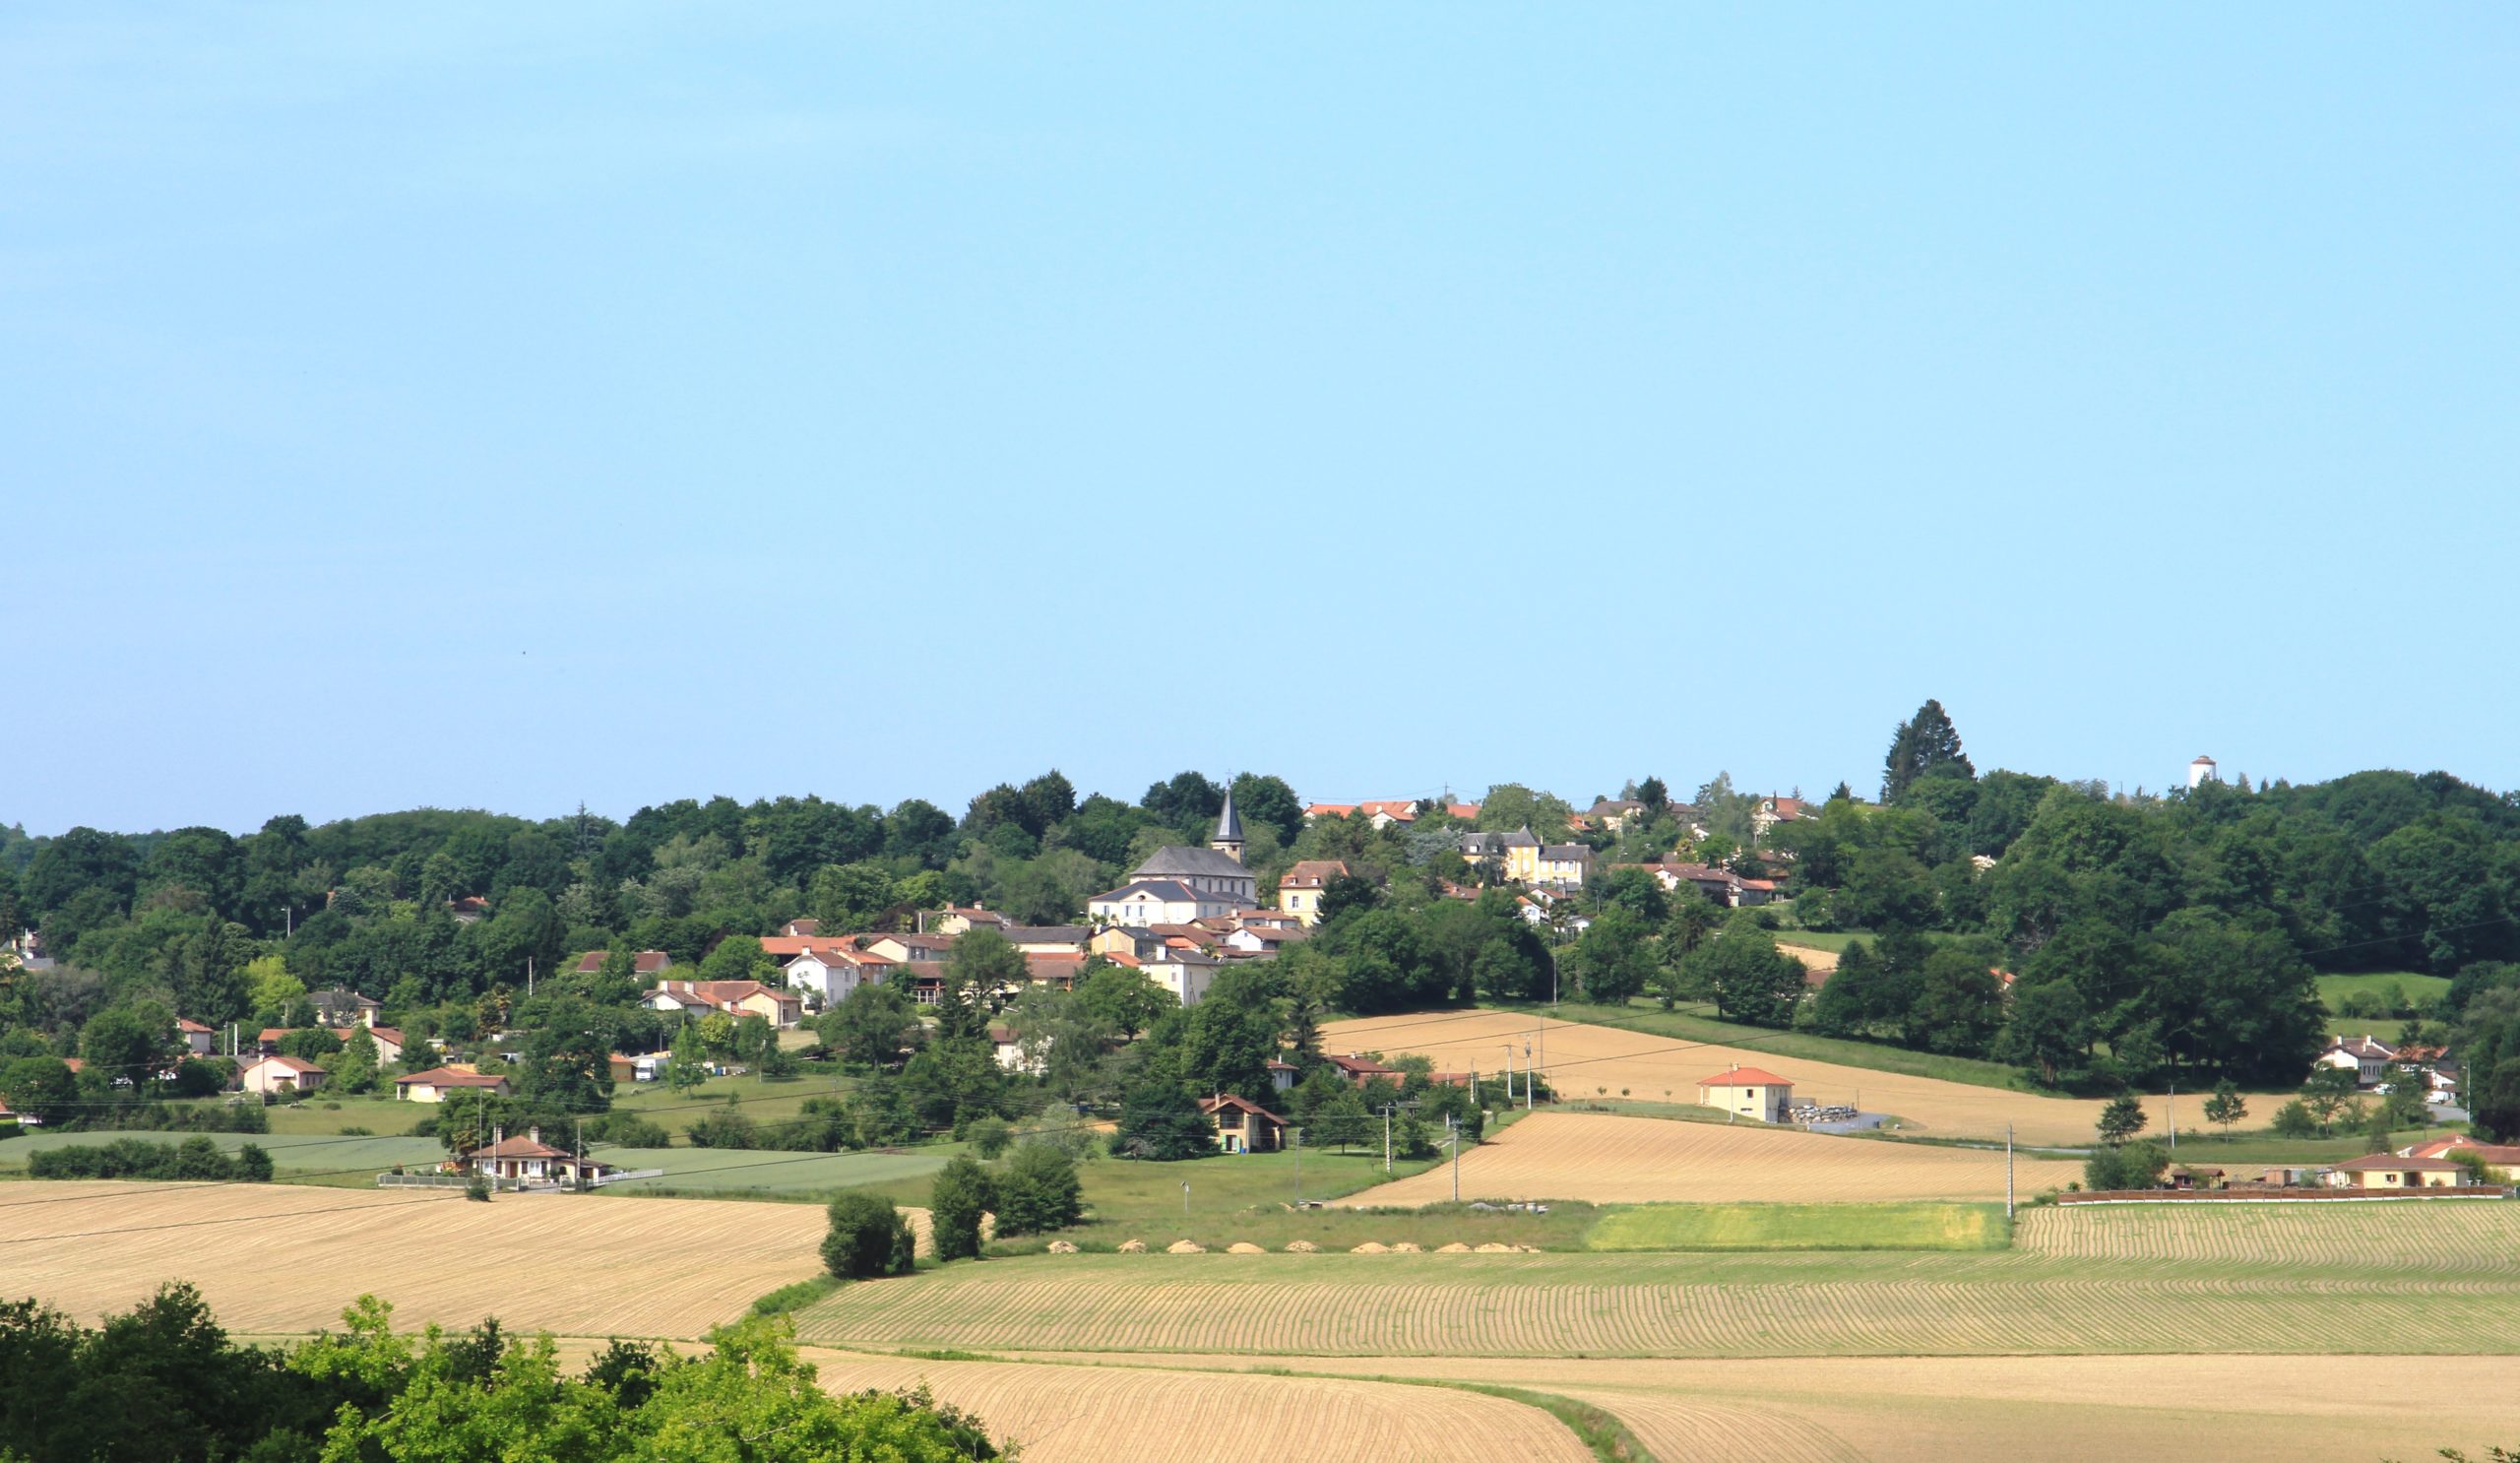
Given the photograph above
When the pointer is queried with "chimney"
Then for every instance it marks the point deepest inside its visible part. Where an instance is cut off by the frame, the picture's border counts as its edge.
(534, 1134)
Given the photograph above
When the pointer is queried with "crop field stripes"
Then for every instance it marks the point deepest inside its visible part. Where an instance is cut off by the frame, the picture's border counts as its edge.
(1700, 1305)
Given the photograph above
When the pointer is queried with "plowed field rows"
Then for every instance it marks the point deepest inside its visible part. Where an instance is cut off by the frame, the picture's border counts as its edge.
(2431, 1235)
(1649, 1160)
(1581, 1059)
(1093, 1414)
(1871, 1303)
(280, 1258)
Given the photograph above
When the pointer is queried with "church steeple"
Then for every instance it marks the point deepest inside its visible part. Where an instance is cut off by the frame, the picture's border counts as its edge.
(1228, 839)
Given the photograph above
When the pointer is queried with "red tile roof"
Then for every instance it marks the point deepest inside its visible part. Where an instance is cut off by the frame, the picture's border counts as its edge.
(1745, 1077)
(450, 1077)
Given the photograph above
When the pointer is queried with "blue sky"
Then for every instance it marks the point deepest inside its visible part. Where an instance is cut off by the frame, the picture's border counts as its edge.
(513, 405)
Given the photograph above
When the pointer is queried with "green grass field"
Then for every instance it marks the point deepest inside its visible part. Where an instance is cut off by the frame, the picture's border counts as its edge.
(747, 1172)
(297, 1158)
(1664, 1227)
(2410, 1277)
(2333, 989)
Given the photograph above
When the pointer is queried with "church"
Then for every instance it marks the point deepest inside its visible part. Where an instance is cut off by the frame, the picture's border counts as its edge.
(1177, 885)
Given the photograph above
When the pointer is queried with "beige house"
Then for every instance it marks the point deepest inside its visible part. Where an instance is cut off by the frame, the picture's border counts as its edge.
(2387, 1171)
(199, 1040)
(433, 1085)
(739, 998)
(1243, 1125)
(1299, 892)
(1747, 1092)
(278, 1074)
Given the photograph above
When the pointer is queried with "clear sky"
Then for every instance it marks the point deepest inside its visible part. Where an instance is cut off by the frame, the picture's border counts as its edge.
(508, 405)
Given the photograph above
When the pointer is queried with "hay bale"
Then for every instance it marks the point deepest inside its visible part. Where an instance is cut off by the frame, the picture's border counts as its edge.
(1061, 1247)
(1456, 1247)
(1492, 1247)
(1302, 1246)
(1244, 1246)
(1134, 1246)
(1185, 1246)
(1408, 1247)
(1370, 1248)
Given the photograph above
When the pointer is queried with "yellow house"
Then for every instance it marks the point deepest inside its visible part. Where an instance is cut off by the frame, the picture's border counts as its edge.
(1299, 892)
(1564, 864)
(2387, 1171)
(1747, 1092)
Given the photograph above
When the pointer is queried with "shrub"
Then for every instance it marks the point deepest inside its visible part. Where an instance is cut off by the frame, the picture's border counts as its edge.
(628, 1130)
(1159, 1121)
(955, 1205)
(2135, 1166)
(989, 1136)
(1038, 1191)
(477, 1190)
(869, 1238)
(2294, 1121)
(197, 1158)
(725, 1129)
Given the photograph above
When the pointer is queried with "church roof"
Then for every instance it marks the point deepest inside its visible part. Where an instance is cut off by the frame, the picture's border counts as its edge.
(1228, 822)
(1176, 861)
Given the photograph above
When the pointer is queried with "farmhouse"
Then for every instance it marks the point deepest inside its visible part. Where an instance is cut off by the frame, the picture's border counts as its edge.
(197, 1038)
(1747, 1092)
(530, 1160)
(1299, 890)
(433, 1085)
(277, 1074)
(1361, 1070)
(2387, 1171)
(1243, 1125)
(341, 1007)
(2364, 1055)
(780, 1008)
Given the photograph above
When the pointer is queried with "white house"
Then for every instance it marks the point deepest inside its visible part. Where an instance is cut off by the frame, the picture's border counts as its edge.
(433, 1085)
(278, 1074)
(197, 1038)
(1145, 902)
(1187, 974)
(1747, 1092)
(2364, 1055)
(831, 973)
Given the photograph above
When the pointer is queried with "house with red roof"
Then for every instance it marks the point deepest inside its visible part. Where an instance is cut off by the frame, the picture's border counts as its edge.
(1243, 1125)
(199, 1040)
(433, 1085)
(2387, 1171)
(273, 1075)
(1299, 890)
(1747, 1092)
(1361, 1070)
(738, 998)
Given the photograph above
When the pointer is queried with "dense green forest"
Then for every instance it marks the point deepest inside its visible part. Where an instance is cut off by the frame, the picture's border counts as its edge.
(2094, 941)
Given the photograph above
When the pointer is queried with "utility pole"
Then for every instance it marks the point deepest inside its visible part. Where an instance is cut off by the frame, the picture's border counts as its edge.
(1386, 1140)
(1185, 1198)
(2007, 1172)
(288, 922)
(1298, 1167)
(1453, 1127)
(528, 978)
(1509, 1075)
(1527, 1069)
(2170, 1113)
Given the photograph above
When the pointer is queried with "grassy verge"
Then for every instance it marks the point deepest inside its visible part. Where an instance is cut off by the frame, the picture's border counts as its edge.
(1668, 1227)
(1429, 1228)
(1596, 1427)
(1688, 1025)
(795, 1296)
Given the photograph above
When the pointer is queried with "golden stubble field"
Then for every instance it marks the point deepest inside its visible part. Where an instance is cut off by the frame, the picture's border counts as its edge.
(2244, 1409)
(283, 1258)
(1581, 1059)
(1088, 1414)
(1610, 1160)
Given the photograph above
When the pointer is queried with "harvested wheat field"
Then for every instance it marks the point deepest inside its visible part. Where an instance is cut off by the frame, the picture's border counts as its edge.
(277, 1258)
(1814, 1303)
(1089, 1413)
(1581, 1059)
(2399, 1236)
(1649, 1160)
(2248, 1409)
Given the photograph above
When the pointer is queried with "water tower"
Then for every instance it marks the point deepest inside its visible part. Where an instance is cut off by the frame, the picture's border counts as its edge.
(2200, 772)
